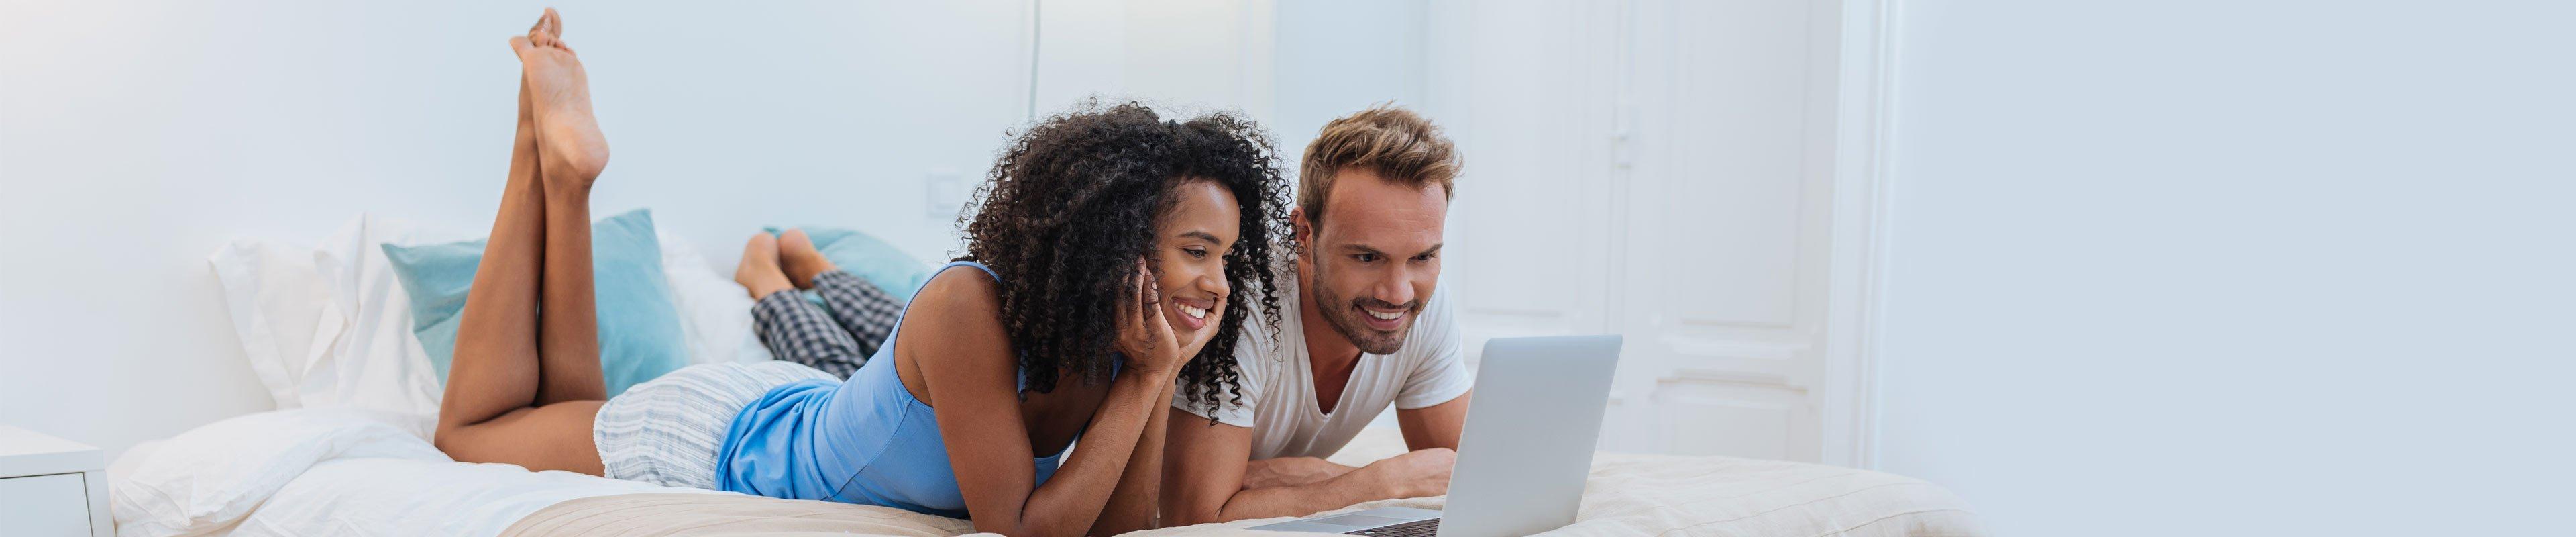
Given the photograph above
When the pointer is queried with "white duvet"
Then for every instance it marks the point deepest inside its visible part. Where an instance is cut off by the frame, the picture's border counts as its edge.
(335, 471)
(357, 472)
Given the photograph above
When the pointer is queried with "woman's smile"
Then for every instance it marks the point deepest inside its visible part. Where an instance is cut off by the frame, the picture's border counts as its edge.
(1190, 314)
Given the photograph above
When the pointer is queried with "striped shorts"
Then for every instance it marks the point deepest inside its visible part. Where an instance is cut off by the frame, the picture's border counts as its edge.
(666, 431)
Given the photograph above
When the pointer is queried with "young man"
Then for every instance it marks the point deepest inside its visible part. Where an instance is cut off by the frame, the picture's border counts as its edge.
(1360, 329)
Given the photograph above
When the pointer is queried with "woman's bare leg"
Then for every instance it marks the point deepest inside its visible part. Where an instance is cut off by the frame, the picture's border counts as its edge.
(759, 272)
(495, 366)
(798, 258)
(575, 152)
(491, 411)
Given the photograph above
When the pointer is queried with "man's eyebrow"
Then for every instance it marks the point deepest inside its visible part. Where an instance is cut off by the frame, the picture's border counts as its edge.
(1365, 249)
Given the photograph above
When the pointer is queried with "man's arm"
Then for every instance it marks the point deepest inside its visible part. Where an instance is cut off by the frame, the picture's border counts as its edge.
(1436, 383)
(1204, 469)
(1434, 426)
(1290, 471)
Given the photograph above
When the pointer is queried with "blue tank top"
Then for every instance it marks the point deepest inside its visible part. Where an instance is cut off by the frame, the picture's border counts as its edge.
(864, 441)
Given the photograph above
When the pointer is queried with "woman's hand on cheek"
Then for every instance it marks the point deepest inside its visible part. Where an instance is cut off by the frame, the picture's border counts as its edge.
(1143, 336)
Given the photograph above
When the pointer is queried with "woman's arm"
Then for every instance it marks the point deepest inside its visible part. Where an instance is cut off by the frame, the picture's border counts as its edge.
(1072, 500)
(1132, 506)
(967, 364)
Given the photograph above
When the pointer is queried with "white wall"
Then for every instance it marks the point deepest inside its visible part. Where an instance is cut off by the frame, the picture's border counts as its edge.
(1336, 57)
(1181, 55)
(2219, 267)
(136, 137)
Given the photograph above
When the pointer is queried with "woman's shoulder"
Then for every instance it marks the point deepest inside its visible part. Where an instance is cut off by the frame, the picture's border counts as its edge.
(962, 276)
(954, 320)
(954, 292)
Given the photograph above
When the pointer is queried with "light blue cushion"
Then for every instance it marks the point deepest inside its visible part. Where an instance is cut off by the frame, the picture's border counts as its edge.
(870, 259)
(639, 330)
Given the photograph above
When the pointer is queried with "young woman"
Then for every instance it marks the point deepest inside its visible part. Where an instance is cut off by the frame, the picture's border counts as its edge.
(1109, 251)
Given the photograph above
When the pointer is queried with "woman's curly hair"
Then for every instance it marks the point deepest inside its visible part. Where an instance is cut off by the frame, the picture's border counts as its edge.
(1071, 204)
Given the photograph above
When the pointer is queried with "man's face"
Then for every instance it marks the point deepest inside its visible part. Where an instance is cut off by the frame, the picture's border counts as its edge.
(1371, 263)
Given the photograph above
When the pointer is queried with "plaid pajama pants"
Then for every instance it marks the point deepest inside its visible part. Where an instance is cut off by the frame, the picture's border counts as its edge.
(837, 336)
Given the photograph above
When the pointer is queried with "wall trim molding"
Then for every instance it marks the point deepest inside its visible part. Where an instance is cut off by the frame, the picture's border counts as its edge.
(1866, 89)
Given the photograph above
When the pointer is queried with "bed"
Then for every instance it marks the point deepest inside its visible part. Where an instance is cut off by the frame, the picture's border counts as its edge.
(323, 471)
(326, 330)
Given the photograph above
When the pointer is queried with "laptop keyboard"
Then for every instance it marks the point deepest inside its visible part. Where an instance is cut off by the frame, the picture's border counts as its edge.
(1418, 528)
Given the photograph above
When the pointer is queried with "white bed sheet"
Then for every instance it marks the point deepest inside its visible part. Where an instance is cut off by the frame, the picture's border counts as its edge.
(376, 496)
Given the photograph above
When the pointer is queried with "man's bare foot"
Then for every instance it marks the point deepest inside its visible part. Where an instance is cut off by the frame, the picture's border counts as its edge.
(759, 270)
(570, 148)
(796, 254)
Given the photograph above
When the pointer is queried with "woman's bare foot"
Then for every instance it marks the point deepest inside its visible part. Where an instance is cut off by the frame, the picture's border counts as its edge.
(796, 255)
(569, 145)
(759, 270)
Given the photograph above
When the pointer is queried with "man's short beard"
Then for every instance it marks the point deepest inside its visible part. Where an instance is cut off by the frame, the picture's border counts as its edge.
(1337, 313)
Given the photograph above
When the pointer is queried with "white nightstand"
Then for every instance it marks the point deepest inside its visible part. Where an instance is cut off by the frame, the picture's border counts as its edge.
(51, 487)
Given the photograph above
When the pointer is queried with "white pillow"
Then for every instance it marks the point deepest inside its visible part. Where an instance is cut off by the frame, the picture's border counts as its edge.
(376, 362)
(344, 307)
(278, 304)
(207, 479)
(715, 312)
(330, 327)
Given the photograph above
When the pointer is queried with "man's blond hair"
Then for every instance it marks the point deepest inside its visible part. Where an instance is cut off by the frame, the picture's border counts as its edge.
(1393, 142)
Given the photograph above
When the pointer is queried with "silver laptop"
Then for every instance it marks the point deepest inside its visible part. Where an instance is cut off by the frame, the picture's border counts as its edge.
(1525, 451)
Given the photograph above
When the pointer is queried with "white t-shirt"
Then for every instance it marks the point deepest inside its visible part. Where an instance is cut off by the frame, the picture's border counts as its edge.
(1279, 384)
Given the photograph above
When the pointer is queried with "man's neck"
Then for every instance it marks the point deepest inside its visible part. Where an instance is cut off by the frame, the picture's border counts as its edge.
(1326, 350)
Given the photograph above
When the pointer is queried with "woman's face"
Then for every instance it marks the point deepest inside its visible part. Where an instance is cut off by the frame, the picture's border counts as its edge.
(1190, 241)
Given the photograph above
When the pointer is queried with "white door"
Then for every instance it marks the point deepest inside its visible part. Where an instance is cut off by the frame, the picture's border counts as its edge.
(1661, 169)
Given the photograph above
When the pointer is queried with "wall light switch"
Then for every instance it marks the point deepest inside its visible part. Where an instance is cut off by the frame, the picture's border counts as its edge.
(945, 194)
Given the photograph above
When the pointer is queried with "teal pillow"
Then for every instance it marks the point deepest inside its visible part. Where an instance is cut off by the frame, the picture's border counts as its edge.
(639, 329)
(870, 259)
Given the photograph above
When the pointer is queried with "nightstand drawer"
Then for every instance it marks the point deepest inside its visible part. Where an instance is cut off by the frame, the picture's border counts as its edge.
(44, 506)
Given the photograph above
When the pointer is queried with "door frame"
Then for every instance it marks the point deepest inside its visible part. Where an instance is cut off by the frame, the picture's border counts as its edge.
(1862, 180)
